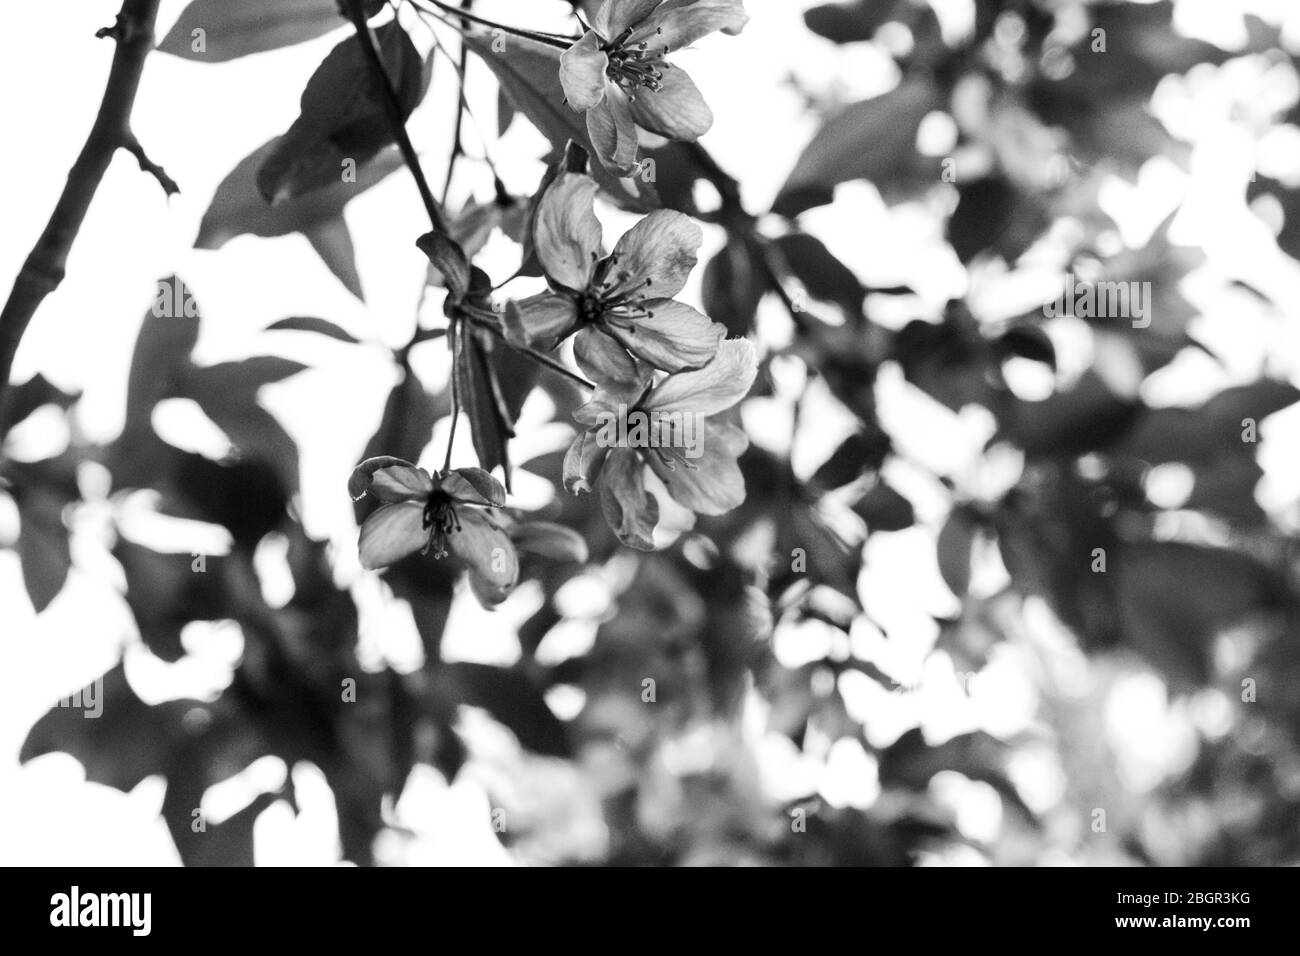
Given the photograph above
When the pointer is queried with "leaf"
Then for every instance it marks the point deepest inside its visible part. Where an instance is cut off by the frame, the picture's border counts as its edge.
(235, 28)
(1028, 342)
(128, 741)
(308, 324)
(343, 116)
(21, 400)
(529, 74)
(823, 276)
(165, 593)
(511, 698)
(731, 287)
(860, 452)
(884, 509)
(43, 547)
(953, 550)
(495, 381)
(849, 22)
(238, 209)
(868, 140)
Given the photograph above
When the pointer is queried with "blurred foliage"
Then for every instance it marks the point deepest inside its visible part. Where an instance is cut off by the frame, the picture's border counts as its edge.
(1044, 117)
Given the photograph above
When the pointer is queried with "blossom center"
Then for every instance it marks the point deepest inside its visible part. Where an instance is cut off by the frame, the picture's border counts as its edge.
(439, 521)
(612, 295)
(635, 66)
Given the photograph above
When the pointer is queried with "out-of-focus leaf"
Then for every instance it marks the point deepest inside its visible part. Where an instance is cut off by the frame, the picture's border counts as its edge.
(128, 740)
(1028, 342)
(529, 74)
(823, 276)
(21, 400)
(238, 209)
(165, 593)
(953, 550)
(868, 140)
(1070, 423)
(732, 286)
(861, 452)
(1175, 598)
(343, 117)
(884, 509)
(309, 324)
(511, 698)
(849, 22)
(235, 28)
(43, 547)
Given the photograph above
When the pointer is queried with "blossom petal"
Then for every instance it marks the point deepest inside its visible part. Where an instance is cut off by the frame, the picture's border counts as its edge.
(400, 483)
(677, 110)
(601, 358)
(673, 336)
(567, 232)
(550, 540)
(582, 72)
(713, 483)
(615, 16)
(719, 385)
(391, 533)
(583, 462)
(613, 132)
(679, 23)
(658, 254)
(487, 553)
(628, 508)
(359, 480)
(540, 321)
(473, 486)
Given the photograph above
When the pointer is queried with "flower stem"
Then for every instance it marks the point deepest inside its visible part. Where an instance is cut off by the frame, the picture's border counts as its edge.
(550, 39)
(394, 110)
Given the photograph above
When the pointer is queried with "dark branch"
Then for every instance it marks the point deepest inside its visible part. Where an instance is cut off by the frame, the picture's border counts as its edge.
(47, 263)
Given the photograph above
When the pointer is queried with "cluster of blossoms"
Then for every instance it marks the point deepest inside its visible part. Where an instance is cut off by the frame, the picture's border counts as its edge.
(628, 331)
(618, 76)
(651, 357)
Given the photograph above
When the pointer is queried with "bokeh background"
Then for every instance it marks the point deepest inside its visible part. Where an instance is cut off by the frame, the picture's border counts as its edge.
(900, 650)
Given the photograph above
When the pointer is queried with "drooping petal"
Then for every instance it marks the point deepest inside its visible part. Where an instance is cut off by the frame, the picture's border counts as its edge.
(602, 359)
(673, 336)
(719, 385)
(613, 132)
(679, 23)
(567, 232)
(540, 321)
(391, 533)
(473, 486)
(401, 483)
(677, 110)
(583, 462)
(488, 554)
(711, 484)
(615, 16)
(582, 72)
(657, 255)
(359, 480)
(629, 510)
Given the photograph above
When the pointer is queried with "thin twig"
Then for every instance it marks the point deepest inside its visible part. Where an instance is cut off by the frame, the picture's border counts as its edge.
(393, 108)
(46, 265)
(132, 146)
(456, 150)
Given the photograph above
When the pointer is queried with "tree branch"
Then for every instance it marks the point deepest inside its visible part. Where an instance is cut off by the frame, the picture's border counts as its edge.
(393, 107)
(46, 265)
